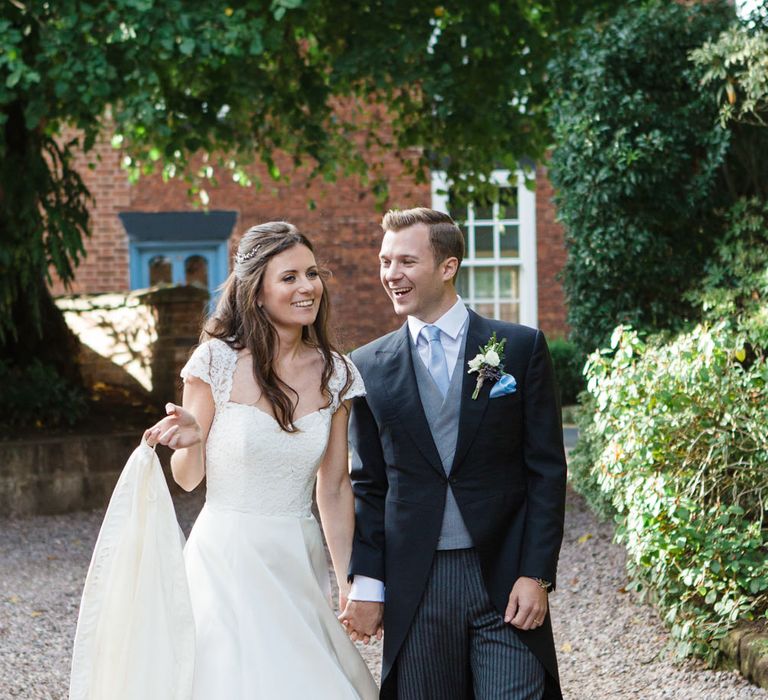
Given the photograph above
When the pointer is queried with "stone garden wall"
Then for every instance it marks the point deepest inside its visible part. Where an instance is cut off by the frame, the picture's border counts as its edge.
(138, 342)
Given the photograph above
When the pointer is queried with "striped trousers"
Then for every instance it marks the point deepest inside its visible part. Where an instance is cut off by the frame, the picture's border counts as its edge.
(458, 638)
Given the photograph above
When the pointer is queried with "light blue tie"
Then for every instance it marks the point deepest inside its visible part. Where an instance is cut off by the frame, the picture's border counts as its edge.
(436, 364)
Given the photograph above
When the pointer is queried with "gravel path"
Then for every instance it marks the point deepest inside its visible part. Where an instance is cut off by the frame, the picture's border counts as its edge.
(608, 646)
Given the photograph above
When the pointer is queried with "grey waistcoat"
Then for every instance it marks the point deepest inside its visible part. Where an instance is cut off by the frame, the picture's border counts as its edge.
(443, 418)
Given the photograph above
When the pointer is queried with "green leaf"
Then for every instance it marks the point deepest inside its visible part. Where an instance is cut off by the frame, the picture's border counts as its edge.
(256, 46)
(187, 46)
(13, 79)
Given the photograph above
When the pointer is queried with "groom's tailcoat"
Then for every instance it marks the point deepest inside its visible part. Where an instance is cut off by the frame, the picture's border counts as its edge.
(508, 478)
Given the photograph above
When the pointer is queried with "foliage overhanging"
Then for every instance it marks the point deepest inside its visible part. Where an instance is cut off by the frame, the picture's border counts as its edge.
(461, 86)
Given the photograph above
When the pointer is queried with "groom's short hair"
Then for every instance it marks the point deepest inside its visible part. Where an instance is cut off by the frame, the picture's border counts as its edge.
(445, 236)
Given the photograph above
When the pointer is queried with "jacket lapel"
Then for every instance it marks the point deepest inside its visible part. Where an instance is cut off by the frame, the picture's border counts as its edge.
(472, 411)
(403, 393)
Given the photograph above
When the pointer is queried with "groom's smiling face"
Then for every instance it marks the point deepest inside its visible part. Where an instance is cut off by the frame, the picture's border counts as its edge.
(413, 281)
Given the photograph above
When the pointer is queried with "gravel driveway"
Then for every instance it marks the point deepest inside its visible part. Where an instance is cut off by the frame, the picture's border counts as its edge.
(608, 645)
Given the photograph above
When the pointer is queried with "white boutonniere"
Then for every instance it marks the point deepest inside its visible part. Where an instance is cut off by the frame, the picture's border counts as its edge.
(488, 365)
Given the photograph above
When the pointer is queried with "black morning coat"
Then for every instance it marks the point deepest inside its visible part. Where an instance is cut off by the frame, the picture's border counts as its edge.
(508, 477)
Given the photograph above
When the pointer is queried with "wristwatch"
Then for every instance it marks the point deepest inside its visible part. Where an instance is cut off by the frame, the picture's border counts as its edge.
(545, 585)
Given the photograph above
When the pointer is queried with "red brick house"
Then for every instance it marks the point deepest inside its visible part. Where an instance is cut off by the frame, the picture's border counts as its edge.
(151, 232)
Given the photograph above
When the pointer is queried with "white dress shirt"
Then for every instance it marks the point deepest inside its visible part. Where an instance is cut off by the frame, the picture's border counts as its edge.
(453, 327)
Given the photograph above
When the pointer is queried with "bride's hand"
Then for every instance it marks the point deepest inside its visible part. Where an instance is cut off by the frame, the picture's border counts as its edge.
(344, 588)
(179, 429)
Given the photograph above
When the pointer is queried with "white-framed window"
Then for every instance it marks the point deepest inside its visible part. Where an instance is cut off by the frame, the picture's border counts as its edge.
(498, 275)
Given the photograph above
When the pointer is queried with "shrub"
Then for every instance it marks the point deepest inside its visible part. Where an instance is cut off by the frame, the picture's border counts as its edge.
(735, 286)
(636, 166)
(677, 441)
(737, 64)
(679, 444)
(584, 455)
(36, 396)
(733, 295)
(568, 362)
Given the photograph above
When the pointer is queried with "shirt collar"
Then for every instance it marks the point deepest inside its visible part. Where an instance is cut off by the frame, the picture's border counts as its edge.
(451, 322)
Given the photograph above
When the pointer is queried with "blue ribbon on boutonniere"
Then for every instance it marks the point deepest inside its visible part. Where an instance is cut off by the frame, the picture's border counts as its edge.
(507, 384)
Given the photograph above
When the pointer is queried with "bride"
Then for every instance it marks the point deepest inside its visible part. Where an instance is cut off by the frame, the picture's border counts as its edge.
(265, 415)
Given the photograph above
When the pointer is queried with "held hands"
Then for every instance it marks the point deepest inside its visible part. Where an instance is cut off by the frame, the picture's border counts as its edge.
(179, 429)
(527, 606)
(363, 620)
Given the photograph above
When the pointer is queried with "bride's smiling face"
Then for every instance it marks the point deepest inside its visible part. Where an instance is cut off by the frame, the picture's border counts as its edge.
(291, 289)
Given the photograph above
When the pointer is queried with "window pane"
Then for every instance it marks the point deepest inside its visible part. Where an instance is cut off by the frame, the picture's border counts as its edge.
(465, 233)
(484, 283)
(509, 238)
(509, 312)
(483, 241)
(485, 310)
(160, 271)
(196, 271)
(483, 211)
(462, 283)
(509, 283)
(508, 203)
(457, 212)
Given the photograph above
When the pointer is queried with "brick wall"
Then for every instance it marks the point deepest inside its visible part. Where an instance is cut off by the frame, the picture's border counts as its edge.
(344, 227)
(105, 268)
(551, 255)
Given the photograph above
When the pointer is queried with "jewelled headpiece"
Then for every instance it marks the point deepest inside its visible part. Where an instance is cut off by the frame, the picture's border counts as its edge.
(242, 257)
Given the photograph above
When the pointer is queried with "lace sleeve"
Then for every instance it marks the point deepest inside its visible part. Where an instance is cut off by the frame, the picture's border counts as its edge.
(199, 364)
(213, 362)
(343, 366)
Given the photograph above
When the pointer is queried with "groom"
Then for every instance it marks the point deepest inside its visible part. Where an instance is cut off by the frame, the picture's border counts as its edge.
(459, 500)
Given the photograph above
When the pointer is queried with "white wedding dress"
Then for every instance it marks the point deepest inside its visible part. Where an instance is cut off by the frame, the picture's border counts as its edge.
(255, 561)
(252, 617)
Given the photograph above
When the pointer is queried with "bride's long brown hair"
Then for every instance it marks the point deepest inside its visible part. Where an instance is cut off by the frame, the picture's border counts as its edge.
(241, 323)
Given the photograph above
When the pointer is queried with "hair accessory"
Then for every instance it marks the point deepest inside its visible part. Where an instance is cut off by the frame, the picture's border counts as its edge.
(242, 257)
